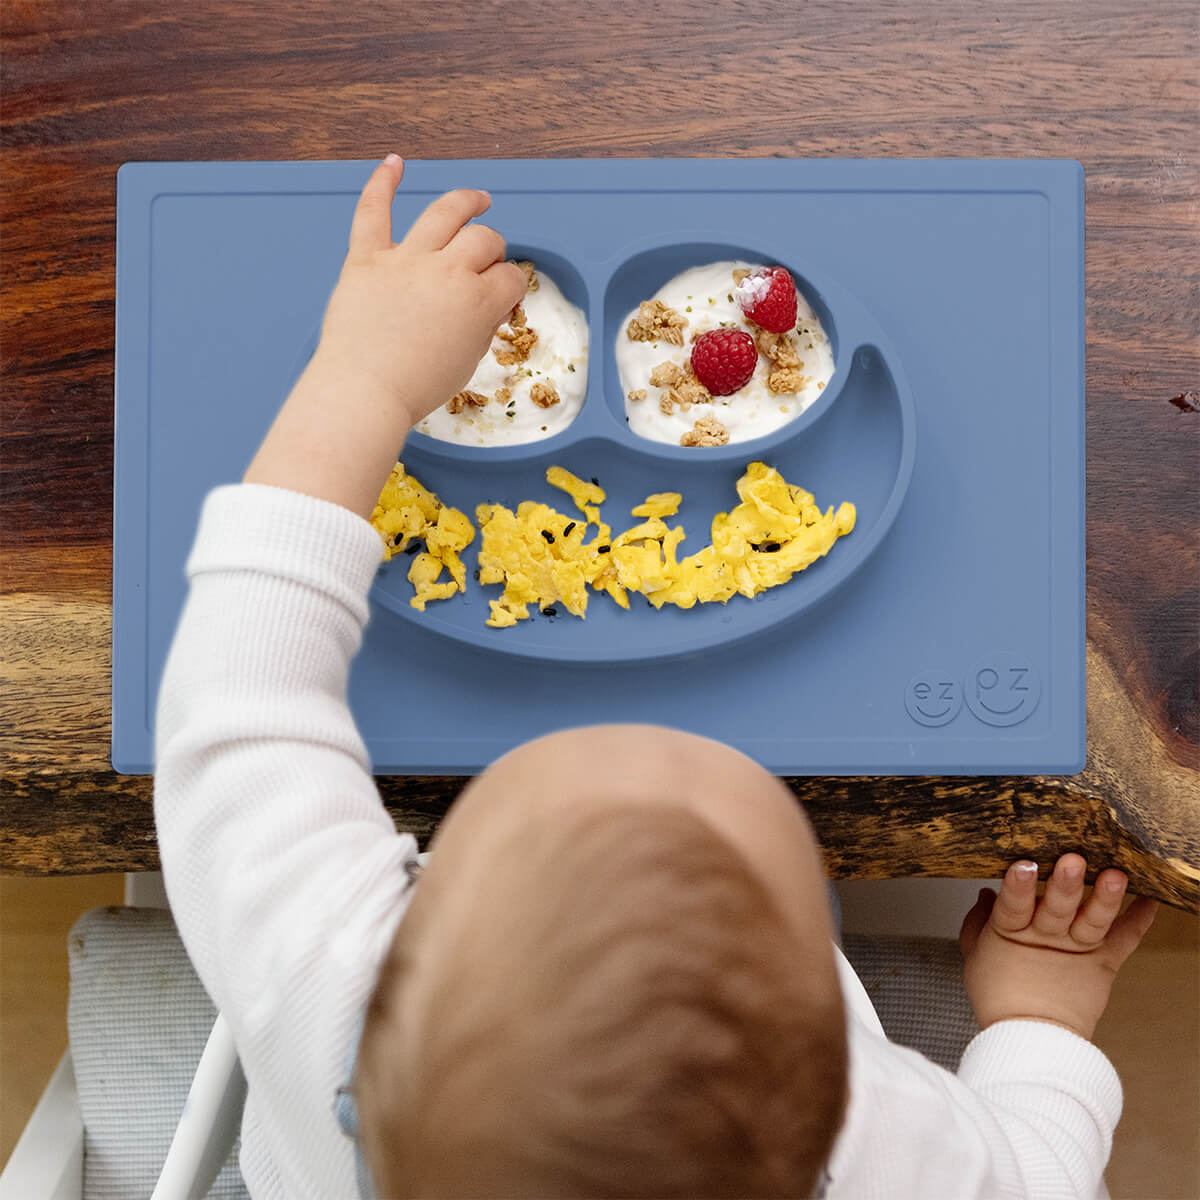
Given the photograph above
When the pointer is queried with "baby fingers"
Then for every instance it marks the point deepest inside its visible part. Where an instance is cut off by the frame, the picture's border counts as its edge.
(1014, 906)
(434, 228)
(1060, 902)
(1095, 918)
(1130, 927)
(975, 920)
(371, 228)
(477, 247)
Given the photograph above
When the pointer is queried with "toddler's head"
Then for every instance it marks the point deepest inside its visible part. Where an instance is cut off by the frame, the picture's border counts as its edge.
(615, 978)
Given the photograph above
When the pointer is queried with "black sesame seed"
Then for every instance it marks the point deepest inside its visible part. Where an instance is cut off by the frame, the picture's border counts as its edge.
(603, 549)
(551, 611)
(595, 481)
(567, 529)
(412, 548)
(548, 536)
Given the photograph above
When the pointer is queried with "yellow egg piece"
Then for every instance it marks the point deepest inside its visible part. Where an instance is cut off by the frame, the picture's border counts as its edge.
(661, 504)
(407, 511)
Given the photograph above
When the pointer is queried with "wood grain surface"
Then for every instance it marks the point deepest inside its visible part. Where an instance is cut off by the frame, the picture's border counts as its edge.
(88, 86)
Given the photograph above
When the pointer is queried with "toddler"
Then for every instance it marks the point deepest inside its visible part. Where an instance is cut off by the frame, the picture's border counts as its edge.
(616, 975)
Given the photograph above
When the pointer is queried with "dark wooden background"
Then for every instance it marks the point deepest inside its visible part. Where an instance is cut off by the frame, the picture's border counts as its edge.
(1116, 85)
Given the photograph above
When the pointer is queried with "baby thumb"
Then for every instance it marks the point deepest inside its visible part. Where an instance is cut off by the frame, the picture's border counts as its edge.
(975, 920)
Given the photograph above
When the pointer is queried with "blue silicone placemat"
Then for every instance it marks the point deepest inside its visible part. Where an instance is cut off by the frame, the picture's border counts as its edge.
(944, 635)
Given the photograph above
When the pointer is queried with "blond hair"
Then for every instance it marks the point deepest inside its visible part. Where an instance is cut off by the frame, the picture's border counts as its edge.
(618, 1009)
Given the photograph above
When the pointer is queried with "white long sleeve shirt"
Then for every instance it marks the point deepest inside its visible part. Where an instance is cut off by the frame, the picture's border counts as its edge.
(287, 880)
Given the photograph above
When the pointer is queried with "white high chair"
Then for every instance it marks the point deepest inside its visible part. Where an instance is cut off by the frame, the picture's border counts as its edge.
(48, 1161)
(139, 1023)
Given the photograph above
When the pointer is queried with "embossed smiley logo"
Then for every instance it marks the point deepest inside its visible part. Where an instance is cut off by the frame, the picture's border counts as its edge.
(1003, 689)
(933, 697)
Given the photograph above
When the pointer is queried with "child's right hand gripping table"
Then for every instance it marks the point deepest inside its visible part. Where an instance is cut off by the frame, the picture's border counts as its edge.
(944, 635)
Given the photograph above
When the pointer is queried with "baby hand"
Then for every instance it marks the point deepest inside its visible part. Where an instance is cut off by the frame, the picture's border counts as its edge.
(1052, 959)
(411, 321)
(404, 330)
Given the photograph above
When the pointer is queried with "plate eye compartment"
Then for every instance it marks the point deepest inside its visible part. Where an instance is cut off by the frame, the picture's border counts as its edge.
(641, 275)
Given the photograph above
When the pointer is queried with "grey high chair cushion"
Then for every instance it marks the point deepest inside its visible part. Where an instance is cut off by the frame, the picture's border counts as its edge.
(916, 986)
(138, 1020)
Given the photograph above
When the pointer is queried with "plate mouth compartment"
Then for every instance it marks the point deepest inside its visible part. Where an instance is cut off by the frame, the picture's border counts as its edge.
(643, 270)
(863, 451)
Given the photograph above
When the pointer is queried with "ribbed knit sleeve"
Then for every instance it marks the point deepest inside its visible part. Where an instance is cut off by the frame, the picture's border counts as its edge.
(1056, 1098)
(1029, 1115)
(284, 871)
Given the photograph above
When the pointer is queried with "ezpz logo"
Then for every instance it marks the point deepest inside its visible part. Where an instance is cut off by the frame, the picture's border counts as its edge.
(1002, 690)
(933, 698)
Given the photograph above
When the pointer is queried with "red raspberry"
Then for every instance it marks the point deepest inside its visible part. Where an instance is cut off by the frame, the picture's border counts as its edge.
(724, 360)
(768, 298)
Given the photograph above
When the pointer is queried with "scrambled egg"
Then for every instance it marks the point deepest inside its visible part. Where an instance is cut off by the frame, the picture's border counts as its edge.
(406, 512)
(539, 553)
(544, 557)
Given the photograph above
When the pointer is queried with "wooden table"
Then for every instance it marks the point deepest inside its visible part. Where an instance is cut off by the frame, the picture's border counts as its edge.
(1116, 85)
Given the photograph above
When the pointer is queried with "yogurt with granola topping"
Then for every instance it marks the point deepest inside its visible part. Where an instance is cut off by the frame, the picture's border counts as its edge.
(664, 403)
(530, 384)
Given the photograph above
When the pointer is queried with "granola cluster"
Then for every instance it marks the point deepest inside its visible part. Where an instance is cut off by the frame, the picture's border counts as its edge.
(666, 374)
(786, 381)
(544, 395)
(682, 388)
(689, 390)
(786, 377)
(466, 399)
(531, 279)
(656, 322)
(520, 337)
(707, 431)
(777, 348)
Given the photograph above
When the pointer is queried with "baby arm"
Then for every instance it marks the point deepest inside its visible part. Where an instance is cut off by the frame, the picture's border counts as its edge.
(1038, 973)
(272, 836)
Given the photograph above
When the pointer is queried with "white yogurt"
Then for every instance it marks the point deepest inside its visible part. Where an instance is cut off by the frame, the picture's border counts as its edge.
(559, 357)
(705, 297)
